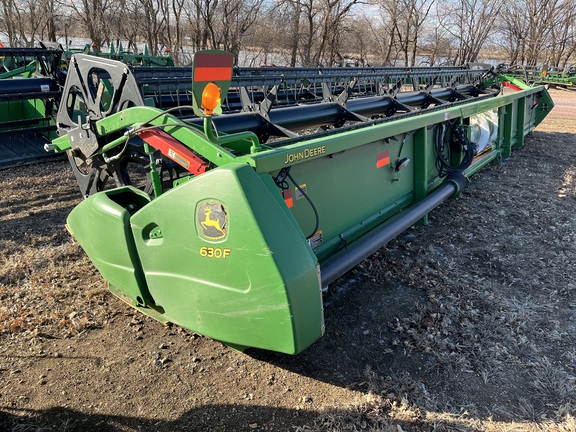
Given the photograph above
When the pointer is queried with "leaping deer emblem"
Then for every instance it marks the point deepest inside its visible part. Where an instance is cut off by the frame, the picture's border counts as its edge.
(208, 223)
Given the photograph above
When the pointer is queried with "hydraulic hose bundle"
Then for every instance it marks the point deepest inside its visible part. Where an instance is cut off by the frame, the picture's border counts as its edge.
(452, 142)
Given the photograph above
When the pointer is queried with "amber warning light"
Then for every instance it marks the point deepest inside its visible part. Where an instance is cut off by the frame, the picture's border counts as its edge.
(210, 98)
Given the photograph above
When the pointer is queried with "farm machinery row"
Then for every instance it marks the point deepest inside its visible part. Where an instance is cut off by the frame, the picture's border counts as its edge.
(225, 200)
(31, 81)
(553, 77)
(30, 89)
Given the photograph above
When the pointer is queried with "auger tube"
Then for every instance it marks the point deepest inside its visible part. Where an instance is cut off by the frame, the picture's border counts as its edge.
(339, 264)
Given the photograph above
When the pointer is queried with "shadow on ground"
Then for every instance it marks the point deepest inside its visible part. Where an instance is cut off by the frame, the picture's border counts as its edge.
(213, 418)
(359, 335)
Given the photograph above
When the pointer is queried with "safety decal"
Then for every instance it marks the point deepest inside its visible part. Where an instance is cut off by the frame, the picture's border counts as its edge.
(382, 159)
(178, 158)
(212, 220)
(287, 195)
(316, 240)
(300, 191)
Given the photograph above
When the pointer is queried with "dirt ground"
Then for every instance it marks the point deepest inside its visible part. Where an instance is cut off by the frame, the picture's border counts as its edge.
(466, 324)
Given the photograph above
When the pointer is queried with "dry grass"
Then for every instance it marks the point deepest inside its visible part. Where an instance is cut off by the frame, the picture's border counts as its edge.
(50, 297)
(47, 284)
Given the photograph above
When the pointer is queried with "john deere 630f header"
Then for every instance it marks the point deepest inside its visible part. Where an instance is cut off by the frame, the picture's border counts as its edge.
(262, 186)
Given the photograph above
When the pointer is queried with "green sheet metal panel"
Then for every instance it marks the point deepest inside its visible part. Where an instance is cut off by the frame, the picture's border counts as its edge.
(11, 110)
(240, 272)
(101, 224)
(349, 186)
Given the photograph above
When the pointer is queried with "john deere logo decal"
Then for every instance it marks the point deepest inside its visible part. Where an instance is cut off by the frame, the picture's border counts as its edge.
(212, 220)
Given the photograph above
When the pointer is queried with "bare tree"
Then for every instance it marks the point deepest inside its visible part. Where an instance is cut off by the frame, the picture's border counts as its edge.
(286, 15)
(383, 31)
(310, 32)
(202, 17)
(222, 24)
(323, 28)
(237, 17)
(562, 35)
(541, 15)
(49, 26)
(8, 20)
(295, 39)
(154, 22)
(95, 15)
(357, 40)
(401, 23)
(512, 25)
(528, 26)
(128, 23)
(267, 42)
(470, 22)
(177, 10)
(418, 11)
(24, 20)
(437, 46)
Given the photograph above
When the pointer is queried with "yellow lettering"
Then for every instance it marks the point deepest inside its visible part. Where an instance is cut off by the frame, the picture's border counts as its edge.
(210, 252)
(305, 154)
